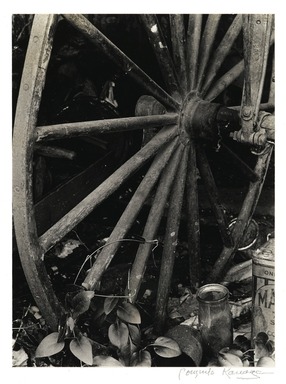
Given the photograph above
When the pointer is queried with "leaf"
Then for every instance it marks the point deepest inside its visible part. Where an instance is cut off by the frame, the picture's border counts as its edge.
(118, 334)
(67, 249)
(49, 345)
(109, 304)
(19, 358)
(189, 341)
(106, 361)
(141, 359)
(125, 354)
(166, 347)
(134, 333)
(98, 314)
(133, 347)
(70, 323)
(262, 345)
(129, 313)
(81, 302)
(82, 349)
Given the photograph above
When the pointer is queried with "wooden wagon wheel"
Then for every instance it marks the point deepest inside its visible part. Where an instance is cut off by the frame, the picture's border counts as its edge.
(187, 113)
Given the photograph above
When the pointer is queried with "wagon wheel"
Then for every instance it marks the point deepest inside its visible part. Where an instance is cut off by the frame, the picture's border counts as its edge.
(186, 114)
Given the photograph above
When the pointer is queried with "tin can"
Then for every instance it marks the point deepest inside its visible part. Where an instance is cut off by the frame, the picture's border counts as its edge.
(263, 300)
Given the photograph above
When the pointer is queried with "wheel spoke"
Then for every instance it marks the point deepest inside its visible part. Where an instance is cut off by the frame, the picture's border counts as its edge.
(178, 44)
(193, 219)
(245, 168)
(257, 39)
(213, 195)
(170, 243)
(58, 131)
(224, 82)
(129, 215)
(55, 205)
(159, 45)
(271, 99)
(222, 51)
(193, 46)
(120, 59)
(55, 152)
(152, 223)
(244, 218)
(111, 184)
(262, 107)
(206, 46)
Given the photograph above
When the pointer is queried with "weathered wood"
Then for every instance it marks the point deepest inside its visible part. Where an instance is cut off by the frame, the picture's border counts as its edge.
(60, 201)
(55, 152)
(206, 46)
(129, 215)
(262, 107)
(121, 60)
(178, 38)
(224, 82)
(170, 244)
(59, 131)
(193, 218)
(33, 76)
(152, 223)
(193, 47)
(161, 50)
(244, 217)
(110, 185)
(257, 31)
(244, 168)
(271, 99)
(221, 52)
(213, 194)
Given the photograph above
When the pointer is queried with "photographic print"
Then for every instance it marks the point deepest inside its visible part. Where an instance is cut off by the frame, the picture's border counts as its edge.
(143, 191)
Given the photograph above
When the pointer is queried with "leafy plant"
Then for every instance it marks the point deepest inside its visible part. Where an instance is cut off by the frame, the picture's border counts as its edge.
(79, 345)
(124, 335)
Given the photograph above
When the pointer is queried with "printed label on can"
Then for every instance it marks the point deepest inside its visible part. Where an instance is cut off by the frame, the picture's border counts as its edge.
(264, 304)
(263, 299)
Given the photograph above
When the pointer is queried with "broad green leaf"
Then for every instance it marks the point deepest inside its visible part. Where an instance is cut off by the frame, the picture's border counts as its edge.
(82, 349)
(135, 334)
(141, 359)
(129, 313)
(81, 302)
(166, 347)
(49, 345)
(109, 304)
(118, 334)
(106, 361)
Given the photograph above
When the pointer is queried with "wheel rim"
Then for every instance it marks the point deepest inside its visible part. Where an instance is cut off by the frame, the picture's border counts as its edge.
(187, 113)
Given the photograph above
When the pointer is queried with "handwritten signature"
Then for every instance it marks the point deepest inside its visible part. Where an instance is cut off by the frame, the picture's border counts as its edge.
(237, 373)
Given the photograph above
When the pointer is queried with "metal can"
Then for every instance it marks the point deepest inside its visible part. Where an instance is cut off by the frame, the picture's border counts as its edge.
(263, 300)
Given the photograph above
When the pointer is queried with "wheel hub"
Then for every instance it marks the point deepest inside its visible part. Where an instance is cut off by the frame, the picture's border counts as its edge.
(197, 117)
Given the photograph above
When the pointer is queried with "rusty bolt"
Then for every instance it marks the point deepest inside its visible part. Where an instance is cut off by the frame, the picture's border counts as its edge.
(246, 111)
